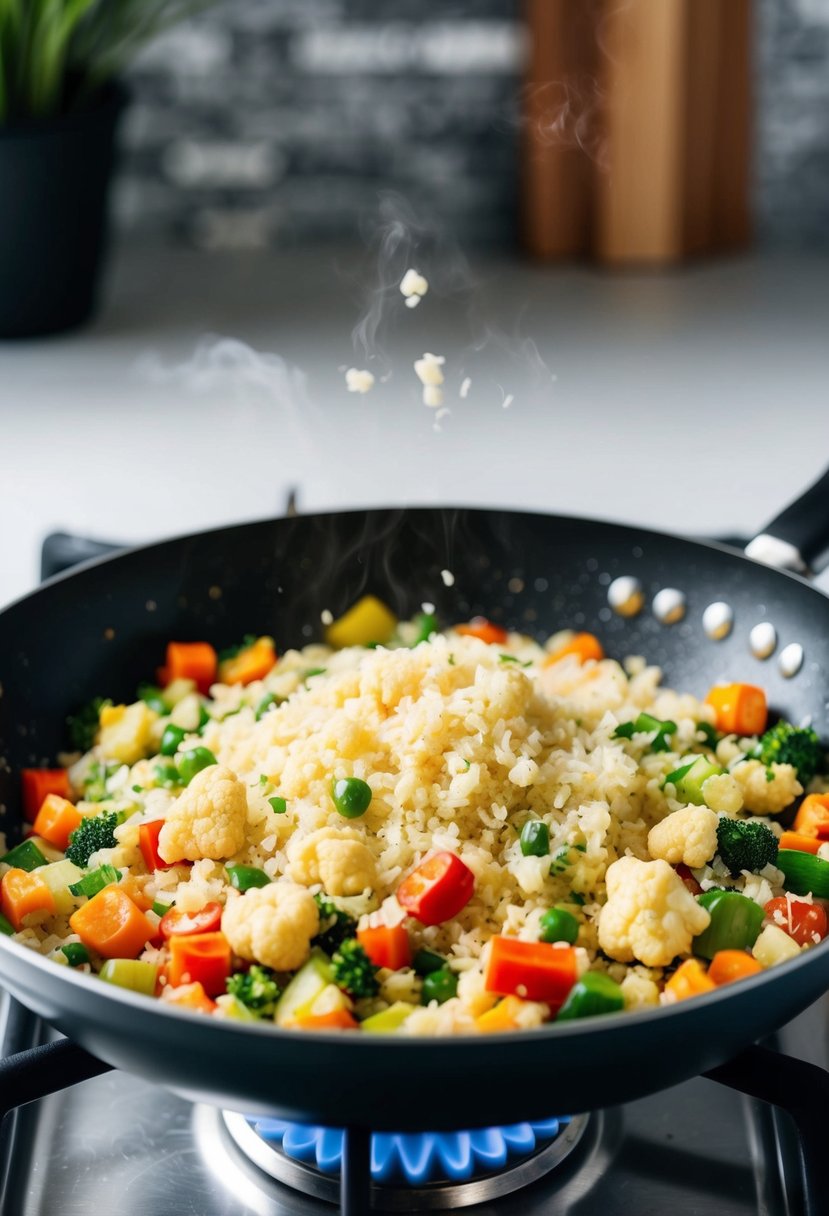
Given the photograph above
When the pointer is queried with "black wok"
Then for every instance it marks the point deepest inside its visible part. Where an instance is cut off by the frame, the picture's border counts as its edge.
(102, 629)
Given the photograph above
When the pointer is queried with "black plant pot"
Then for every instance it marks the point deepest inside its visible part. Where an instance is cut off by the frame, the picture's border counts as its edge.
(54, 182)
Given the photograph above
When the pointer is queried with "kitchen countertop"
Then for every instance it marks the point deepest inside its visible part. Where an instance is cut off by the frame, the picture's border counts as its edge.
(695, 400)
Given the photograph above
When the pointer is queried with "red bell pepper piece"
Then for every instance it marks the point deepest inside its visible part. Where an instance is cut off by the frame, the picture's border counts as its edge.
(535, 971)
(37, 783)
(176, 923)
(386, 946)
(200, 958)
(437, 889)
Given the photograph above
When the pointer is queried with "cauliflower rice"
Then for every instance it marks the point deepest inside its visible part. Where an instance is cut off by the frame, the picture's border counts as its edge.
(461, 743)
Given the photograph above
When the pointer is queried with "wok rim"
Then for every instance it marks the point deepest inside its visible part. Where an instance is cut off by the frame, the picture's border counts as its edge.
(464, 1042)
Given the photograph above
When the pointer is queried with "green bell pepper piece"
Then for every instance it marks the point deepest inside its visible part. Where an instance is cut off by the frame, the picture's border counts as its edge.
(804, 873)
(594, 993)
(6, 926)
(735, 923)
(26, 856)
(427, 961)
(245, 877)
(76, 953)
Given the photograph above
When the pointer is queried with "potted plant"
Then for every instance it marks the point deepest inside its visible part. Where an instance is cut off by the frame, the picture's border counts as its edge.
(60, 101)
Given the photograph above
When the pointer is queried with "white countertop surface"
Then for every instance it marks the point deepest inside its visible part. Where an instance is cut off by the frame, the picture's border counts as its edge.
(695, 400)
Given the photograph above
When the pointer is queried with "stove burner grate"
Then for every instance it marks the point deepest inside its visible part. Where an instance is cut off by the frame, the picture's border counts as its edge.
(423, 1172)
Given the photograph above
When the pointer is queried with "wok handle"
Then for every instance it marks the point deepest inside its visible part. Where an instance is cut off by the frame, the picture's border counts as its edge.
(799, 535)
(39, 1071)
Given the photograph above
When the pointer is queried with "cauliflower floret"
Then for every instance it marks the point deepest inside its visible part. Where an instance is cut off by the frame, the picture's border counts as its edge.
(125, 731)
(208, 819)
(338, 858)
(473, 993)
(722, 793)
(272, 925)
(650, 915)
(638, 991)
(764, 797)
(689, 836)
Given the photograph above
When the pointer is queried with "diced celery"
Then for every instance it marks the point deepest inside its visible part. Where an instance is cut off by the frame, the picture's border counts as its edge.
(233, 1008)
(690, 778)
(58, 878)
(93, 882)
(130, 973)
(389, 1020)
(304, 988)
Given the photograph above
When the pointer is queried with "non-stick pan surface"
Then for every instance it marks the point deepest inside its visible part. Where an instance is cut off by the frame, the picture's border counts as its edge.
(102, 629)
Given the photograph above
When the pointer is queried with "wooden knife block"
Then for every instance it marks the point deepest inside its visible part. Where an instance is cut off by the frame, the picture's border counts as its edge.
(637, 129)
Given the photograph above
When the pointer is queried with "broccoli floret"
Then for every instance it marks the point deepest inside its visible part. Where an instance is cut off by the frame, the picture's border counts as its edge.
(83, 726)
(745, 845)
(795, 745)
(95, 832)
(353, 970)
(335, 925)
(95, 782)
(255, 988)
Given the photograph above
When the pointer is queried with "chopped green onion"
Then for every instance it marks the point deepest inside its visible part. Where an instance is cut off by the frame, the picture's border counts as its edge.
(351, 796)
(137, 789)
(575, 897)
(95, 782)
(314, 671)
(427, 624)
(263, 779)
(130, 973)
(6, 926)
(690, 778)
(710, 733)
(191, 762)
(426, 961)
(735, 923)
(160, 908)
(558, 925)
(805, 873)
(76, 953)
(170, 740)
(535, 839)
(26, 856)
(646, 724)
(267, 702)
(95, 881)
(511, 658)
(564, 858)
(242, 878)
(278, 805)
(593, 994)
(439, 986)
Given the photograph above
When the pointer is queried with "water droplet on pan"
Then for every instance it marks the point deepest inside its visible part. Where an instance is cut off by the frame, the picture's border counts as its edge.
(762, 640)
(718, 620)
(791, 660)
(625, 595)
(669, 605)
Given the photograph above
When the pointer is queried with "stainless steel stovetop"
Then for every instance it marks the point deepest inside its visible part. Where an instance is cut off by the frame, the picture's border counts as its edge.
(118, 1144)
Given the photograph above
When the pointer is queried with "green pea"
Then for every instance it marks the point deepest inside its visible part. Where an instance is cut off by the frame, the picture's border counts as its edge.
(245, 877)
(535, 839)
(76, 953)
(351, 796)
(192, 762)
(153, 698)
(439, 986)
(557, 925)
(170, 740)
(167, 775)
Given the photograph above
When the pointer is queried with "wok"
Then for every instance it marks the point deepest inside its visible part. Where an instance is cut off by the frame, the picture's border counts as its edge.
(102, 629)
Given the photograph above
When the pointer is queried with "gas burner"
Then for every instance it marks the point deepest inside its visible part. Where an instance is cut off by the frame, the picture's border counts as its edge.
(422, 1172)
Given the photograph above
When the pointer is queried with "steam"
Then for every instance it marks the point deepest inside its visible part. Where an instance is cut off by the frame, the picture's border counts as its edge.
(567, 114)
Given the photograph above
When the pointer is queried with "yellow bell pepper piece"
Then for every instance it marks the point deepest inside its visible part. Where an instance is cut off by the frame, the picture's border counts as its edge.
(369, 620)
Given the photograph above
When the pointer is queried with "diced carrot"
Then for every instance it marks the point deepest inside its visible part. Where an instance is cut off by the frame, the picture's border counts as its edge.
(504, 1016)
(252, 663)
(56, 820)
(386, 946)
(535, 971)
(480, 627)
(192, 661)
(583, 645)
(689, 979)
(812, 818)
(23, 892)
(37, 783)
(112, 924)
(337, 1019)
(202, 958)
(804, 844)
(729, 965)
(189, 996)
(741, 709)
